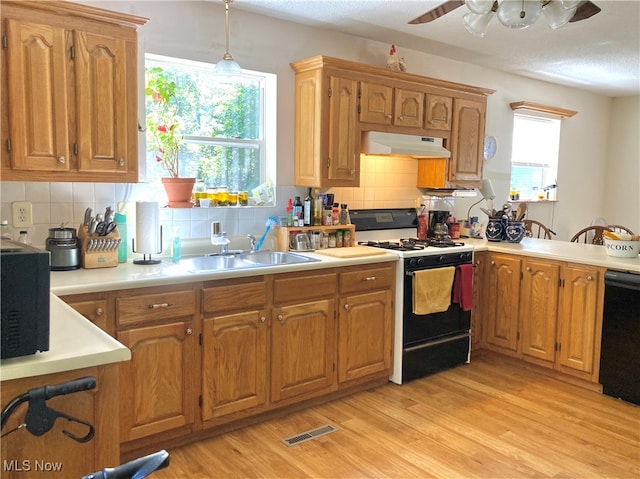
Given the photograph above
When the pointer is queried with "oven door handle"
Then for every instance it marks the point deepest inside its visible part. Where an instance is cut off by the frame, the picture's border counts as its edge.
(439, 341)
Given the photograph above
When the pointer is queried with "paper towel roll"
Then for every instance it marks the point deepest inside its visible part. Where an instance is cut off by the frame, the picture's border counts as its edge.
(148, 227)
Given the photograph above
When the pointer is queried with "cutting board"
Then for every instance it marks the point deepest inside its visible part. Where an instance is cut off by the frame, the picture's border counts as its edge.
(351, 251)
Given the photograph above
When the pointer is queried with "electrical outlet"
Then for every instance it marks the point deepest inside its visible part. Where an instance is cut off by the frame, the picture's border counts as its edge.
(22, 214)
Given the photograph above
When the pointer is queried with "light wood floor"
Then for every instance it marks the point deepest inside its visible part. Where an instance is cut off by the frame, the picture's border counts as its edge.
(488, 419)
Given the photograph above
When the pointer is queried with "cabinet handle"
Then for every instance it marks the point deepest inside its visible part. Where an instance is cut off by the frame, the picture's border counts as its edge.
(529, 269)
(346, 306)
(493, 263)
(159, 305)
(262, 319)
(99, 312)
(189, 331)
(401, 118)
(369, 278)
(389, 117)
(589, 277)
(280, 318)
(121, 162)
(62, 159)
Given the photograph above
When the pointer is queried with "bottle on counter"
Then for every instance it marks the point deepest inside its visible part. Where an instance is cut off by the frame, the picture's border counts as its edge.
(335, 214)
(24, 237)
(6, 233)
(308, 208)
(345, 219)
(317, 209)
(176, 245)
(297, 210)
(289, 211)
(121, 221)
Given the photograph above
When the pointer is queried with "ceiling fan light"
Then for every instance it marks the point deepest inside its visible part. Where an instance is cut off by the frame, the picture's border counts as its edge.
(556, 15)
(568, 4)
(477, 24)
(519, 14)
(479, 6)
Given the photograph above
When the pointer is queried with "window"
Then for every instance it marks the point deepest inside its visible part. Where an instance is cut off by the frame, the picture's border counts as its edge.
(226, 126)
(534, 155)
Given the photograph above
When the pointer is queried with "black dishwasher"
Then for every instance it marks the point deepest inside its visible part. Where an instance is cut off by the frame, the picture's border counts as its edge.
(620, 353)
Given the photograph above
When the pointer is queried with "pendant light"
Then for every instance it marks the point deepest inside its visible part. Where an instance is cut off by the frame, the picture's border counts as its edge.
(227, 66)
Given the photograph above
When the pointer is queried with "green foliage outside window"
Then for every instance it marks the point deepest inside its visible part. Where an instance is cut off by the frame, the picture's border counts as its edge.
(219, 121)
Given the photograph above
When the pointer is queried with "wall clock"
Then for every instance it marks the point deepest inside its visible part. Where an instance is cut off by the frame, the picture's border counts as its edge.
(490, 146)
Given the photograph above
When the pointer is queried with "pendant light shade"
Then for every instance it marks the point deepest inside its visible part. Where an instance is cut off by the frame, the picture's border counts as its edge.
(227, 66)
(479, 6)
(519, 14)
(477, 23)
(557, 15)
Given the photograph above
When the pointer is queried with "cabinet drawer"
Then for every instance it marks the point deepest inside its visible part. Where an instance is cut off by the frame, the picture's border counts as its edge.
(367, 279)
(235, 294)
(302, 287)
(159, 306)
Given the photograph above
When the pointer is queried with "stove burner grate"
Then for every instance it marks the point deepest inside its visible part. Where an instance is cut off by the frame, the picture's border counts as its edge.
(433, 242)
(402, 246)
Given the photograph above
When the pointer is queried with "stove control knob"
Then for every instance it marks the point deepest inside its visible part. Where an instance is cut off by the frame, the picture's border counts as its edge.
(420, 261)
(411, 262)
(440, 258)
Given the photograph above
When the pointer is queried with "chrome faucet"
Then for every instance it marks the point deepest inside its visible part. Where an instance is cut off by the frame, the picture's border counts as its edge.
(252, 243)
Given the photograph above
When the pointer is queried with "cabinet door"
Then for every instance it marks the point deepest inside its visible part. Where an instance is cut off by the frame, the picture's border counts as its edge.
(503, 301)
(37, 80)
(234, 364)
(101, 100)
(539, 309)
(580, 309)
(94, 311)
(467, 145)
(302, 350)
(408, 108)
(158, 384)
(438, 112)
(376, 103)
(343, 134)
(364, 332)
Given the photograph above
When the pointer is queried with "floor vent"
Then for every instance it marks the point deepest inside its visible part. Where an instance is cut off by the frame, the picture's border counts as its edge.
(307, 436)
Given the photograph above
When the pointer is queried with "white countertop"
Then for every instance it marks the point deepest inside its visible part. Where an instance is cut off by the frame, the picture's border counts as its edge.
(74, 343)
(590, 254)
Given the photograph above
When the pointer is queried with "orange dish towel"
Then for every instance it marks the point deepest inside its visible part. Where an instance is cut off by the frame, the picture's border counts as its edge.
(432, 290)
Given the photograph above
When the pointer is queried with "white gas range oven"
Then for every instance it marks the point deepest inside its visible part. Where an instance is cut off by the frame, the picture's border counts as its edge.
(423, 343)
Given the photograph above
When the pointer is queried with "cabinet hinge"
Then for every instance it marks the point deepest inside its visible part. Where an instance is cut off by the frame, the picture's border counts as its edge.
(72, 52)
(8, 144)
(560, 282)
(4, 42)
(75, 149)
(200, 339)
(359, 109)
(521, 275)
(329, 92)
(518, 336)
(328, 162)
(200, 401)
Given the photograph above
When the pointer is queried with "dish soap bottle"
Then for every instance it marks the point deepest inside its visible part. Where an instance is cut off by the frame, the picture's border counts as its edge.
(176, 245)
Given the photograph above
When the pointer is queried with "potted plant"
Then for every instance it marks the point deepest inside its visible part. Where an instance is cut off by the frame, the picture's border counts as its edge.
(163, 133)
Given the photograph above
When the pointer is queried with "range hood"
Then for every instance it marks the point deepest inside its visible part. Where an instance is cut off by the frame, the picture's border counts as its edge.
(380, 143)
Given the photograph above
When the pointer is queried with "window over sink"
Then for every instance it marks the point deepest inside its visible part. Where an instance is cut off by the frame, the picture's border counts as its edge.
(226, 125)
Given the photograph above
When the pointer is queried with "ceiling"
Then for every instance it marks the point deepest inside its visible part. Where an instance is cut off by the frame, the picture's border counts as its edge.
(600, 54)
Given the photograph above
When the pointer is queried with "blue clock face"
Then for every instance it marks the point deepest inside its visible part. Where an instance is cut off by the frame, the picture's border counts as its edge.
(490, 146)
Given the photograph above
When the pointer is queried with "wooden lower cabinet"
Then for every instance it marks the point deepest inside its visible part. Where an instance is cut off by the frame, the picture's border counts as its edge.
(480, 303)
(158, 385)
(365, 332)
(94, 309)
(545, 312)
(502, 308)
(54, 454)
(302, 350)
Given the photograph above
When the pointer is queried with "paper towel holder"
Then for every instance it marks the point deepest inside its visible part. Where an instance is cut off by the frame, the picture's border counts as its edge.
(146, 257)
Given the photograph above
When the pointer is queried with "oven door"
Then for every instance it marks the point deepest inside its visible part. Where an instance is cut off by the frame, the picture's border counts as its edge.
(419, 329)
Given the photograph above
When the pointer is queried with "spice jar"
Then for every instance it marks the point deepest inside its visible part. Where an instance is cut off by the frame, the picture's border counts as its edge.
(344, 215)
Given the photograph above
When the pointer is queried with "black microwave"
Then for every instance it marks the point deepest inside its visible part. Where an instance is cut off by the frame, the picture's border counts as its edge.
(24, 308)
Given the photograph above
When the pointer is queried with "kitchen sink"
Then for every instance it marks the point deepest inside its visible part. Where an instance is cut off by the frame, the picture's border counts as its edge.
(271, 258)
(260, 259)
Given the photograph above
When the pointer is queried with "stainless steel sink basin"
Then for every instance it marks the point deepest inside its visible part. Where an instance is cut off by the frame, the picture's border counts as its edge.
(261, 259)
(271, 258)
(208, 264)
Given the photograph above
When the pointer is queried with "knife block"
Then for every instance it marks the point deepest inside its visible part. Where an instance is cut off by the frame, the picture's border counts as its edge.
(98, 251)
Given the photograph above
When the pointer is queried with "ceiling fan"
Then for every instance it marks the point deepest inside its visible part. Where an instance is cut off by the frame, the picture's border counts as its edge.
(584, 10)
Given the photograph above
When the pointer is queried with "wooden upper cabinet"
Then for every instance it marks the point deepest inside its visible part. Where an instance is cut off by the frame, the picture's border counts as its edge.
(467, 142)
(376, 104)
(439, 112)
(384, 105)
(343, 162)
(37, 97)
(71, 93)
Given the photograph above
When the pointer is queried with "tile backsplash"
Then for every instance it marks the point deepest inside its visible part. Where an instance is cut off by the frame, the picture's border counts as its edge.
(384, 183)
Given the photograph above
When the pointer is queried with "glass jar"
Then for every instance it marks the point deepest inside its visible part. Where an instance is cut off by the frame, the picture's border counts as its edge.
(243, 198)
(233, 198)
(344, 215)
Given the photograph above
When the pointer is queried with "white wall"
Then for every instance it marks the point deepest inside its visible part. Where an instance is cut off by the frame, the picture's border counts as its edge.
(196, 30)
